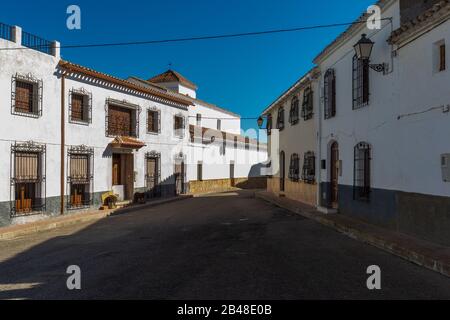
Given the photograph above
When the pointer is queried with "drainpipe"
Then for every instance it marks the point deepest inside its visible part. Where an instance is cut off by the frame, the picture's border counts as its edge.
(319, 145)
(63, 138)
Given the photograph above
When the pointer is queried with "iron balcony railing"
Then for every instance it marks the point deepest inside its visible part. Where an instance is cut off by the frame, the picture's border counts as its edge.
(5, 32)
(34, 42)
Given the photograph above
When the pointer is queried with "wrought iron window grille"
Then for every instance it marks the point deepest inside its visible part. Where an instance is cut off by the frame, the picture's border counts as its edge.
(362, 172)
(121, 126)
(330, 94)
(84, 115)
(360, 84)
(280, 119)
(80, 177)
(28, 179)
(153, 120)
(307, 105)
(294, 168)
(179, 125)
(294, 111)
(23, 104)
(309, 168)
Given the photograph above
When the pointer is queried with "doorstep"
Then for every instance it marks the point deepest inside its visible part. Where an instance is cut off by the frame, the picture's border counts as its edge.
(426, 254)
(15, 231)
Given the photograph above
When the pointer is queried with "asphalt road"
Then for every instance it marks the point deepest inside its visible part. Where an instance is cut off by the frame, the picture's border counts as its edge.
(226, 246)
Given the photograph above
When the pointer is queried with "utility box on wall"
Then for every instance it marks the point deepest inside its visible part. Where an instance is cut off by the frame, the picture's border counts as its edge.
(445, 165)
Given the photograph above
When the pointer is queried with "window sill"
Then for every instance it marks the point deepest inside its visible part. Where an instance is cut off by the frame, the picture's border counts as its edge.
(80, 122)
(26, 114)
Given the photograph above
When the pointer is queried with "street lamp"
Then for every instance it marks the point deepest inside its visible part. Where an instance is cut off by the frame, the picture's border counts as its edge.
(260, 122)
(363, 49)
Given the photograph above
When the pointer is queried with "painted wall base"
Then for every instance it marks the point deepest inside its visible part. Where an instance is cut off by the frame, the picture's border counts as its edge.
(219, 185)
(299, 191)
(423, 216)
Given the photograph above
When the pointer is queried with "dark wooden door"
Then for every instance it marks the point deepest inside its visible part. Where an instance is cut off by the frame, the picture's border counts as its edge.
(233, 182)
(282, 171)
(116, 170)
(129, 176)
(179, 178)
(334, 174)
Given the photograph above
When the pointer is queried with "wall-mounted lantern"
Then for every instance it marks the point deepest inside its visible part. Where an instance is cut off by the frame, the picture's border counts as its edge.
(363, 49)
(260, 122)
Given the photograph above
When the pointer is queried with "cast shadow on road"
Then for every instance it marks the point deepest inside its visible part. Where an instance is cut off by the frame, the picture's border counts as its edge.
(39, 272)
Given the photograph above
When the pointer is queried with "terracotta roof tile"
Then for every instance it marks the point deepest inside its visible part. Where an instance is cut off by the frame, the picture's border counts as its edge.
(173, 76)
(426, 19)
(75, 68)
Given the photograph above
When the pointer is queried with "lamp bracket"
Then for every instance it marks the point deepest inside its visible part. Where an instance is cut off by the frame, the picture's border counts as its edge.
(382, 67)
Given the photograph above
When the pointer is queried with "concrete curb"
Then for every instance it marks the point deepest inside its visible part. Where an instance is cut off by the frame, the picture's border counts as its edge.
(437, 263)
(13, 232)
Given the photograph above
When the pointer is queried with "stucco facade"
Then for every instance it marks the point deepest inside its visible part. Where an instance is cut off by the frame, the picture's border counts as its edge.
(405, 123)
(297, 137)
(115, 163)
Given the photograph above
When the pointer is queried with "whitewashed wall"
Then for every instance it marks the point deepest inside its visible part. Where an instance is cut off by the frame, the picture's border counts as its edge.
(299, 138)
(20, 128)
(375, 123)
(421, 139)
(210, 116)
(93, 135)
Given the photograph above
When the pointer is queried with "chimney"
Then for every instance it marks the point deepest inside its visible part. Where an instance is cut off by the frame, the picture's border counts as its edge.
(410, 9)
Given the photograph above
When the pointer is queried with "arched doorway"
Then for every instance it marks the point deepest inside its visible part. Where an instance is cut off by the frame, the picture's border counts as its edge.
(282, 171)
(334, 175)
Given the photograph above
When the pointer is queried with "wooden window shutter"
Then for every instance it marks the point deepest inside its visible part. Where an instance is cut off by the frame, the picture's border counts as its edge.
(24, 96)
(26, 166)
(79, 167)
(78, 112)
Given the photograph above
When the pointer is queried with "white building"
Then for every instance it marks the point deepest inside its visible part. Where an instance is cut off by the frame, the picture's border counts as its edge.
(384, 135)
(292, 132)
(70, 134)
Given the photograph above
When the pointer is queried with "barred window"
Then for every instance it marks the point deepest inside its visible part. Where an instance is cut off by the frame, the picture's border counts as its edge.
(280, 119)
(361, 189)
(80, 176)
(307, 106)
(26, 96)
(360, 82)
(153, 174)
(28, 178)
(330, 94)
(294, 111)
(80, 106)
(294, 168)
(153, 121)
(121, 118)
(309, 167)
(179, 126)
(269, 125)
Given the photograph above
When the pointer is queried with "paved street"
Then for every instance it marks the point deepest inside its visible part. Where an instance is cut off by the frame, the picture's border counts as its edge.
(225, 246)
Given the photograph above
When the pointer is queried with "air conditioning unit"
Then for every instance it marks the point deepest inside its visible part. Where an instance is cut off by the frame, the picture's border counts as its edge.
(445, 165)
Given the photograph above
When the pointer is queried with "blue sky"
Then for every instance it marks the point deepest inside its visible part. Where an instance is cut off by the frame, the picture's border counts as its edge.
(243, 75)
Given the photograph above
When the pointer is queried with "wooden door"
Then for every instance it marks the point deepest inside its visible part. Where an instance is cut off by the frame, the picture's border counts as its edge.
(129, 176)
(116, 170)
(334, 175)
(282, 171)
(179, 178)
(233, 182)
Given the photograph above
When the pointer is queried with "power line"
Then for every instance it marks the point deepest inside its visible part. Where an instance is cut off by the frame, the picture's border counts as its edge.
(211, 37)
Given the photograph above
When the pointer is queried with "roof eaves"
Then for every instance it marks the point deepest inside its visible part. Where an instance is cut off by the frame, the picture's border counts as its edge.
(72, 67)
(305, 80)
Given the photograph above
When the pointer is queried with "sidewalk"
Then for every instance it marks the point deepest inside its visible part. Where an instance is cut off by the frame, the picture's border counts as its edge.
(423, 253)
(15, 231)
